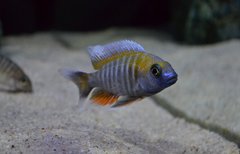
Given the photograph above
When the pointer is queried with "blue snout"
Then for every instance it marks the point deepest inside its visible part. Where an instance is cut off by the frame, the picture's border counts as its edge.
(170, 77)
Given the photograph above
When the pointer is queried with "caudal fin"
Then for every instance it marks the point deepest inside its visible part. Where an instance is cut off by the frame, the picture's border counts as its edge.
(80, 79)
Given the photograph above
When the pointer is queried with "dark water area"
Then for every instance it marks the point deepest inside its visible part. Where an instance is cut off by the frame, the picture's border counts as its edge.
(73, 15)
(192, 22)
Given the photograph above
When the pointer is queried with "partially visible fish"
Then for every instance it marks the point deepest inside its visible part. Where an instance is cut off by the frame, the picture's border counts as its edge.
(1, 33)
(12, 77)
(125, 73)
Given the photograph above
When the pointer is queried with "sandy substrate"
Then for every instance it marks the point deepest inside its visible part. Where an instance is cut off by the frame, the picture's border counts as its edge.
(49, 120)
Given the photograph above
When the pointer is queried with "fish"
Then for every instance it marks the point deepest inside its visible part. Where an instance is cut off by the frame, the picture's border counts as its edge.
(1, 33)
(12, 77)
(125, 72)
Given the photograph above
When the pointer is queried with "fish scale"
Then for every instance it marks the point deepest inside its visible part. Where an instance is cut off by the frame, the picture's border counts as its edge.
(128, 76)
(124, 76)
(110, 75)
(5, 66)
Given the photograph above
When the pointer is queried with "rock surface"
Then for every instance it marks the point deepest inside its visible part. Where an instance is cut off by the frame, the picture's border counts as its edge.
(49, 120)
(201, 22)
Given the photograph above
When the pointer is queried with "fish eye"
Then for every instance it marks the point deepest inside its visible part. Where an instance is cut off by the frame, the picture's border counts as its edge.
(156, 70)
(23, 80)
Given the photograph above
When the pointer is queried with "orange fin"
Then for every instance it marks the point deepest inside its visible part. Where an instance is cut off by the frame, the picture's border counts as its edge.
(125, 101)
(103, 98)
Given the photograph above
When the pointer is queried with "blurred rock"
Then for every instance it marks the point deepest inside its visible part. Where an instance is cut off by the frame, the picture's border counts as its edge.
(49, 121)
(1, 33)
(207, 21)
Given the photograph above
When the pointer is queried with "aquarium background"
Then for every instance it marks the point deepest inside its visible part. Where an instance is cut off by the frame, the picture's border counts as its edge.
(188, 21)
(198, 114)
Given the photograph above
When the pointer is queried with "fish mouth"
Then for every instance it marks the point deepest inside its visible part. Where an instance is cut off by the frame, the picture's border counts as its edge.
(172, 80)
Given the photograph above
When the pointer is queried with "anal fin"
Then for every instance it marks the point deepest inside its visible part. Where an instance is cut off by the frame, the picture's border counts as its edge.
(103, 98)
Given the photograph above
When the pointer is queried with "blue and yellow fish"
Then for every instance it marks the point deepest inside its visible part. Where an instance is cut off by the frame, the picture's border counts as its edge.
(125, 73)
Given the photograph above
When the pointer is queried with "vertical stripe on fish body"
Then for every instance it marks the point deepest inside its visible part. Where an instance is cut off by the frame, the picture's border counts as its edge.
(120, 76)
(12, 77)
(125, 73)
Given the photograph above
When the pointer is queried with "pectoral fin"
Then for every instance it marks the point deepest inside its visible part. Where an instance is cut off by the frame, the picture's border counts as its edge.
(125, 101)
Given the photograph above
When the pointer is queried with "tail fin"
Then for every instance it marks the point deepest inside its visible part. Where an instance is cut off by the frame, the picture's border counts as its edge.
(80, 79)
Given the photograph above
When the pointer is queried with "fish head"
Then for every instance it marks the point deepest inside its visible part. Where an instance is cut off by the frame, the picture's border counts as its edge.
(23, 83)
(159, 75)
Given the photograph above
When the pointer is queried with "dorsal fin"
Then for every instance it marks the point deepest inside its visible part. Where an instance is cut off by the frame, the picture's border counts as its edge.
(103, 54)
